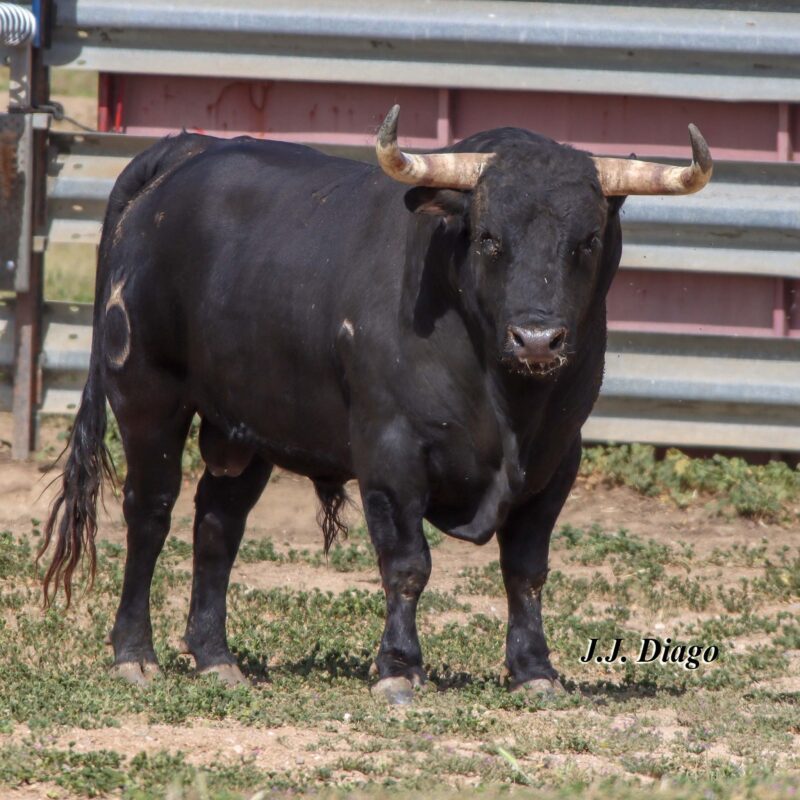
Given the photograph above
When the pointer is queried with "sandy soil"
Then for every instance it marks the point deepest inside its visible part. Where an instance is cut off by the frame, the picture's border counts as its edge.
(287, 514)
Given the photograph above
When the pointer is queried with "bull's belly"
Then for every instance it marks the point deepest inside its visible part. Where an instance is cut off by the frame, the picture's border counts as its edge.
(304, 433)
(476, 514)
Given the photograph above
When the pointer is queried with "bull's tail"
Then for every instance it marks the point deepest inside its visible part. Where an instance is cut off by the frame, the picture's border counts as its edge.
(72, 524)
(332, 500)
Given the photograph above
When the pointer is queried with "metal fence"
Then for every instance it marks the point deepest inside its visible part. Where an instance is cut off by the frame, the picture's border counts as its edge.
(641, 49)
(704, 348)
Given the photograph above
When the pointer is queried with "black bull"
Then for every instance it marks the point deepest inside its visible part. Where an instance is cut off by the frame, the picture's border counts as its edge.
(441, 346)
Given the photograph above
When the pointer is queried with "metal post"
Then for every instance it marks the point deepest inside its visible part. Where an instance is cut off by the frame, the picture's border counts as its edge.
(30, 87)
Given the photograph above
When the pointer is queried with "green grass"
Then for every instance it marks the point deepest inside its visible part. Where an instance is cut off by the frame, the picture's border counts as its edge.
(69, 273)
(66, 82)
(102, 772)
(727, 485)
(252, 552)
(147, 776)
(309, 653)
(73, 83)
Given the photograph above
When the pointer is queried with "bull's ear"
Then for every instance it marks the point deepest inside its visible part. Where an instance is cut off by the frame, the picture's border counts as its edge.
(615, 204)
(437, 202)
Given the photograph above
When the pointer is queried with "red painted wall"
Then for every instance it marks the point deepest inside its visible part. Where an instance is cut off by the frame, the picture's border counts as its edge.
(339, 114)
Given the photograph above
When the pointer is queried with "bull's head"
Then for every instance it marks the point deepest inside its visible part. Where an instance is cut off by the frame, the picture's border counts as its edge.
(543, 226)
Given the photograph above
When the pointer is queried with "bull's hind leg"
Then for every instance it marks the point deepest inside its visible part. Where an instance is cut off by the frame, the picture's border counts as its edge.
(153, 449)
(524, 545)
(222, 505)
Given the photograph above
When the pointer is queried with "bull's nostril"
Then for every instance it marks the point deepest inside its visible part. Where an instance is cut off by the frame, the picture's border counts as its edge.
(557, 342)
(535, 345)
(516, 337)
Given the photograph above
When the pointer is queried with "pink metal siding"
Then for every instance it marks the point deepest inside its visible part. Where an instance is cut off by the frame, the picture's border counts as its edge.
(621, 125)
(793, 306)
(693, 303)
(341, 114)
(348, 114)
(308, 112)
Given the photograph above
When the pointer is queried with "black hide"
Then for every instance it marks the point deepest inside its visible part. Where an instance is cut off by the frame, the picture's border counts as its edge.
(321, 317)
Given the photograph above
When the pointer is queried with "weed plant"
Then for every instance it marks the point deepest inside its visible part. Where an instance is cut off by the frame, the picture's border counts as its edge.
(728, 485)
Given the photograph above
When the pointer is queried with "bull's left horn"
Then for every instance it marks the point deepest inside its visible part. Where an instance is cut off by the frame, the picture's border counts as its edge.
(622, 176)
(438, 170)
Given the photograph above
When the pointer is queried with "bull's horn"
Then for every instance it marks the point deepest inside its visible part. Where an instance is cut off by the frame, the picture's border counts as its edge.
(621, 176)
(438, 170)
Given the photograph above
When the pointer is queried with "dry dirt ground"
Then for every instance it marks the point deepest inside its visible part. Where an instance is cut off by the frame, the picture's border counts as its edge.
(287, 515)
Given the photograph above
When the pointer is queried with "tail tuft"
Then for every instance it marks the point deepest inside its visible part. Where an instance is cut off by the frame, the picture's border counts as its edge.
(72, 523)
(332, 499)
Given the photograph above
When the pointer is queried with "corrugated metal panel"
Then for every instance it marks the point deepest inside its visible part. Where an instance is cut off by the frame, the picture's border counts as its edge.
(644, 50)
(596, 75)
(659, 388)
(759, 226)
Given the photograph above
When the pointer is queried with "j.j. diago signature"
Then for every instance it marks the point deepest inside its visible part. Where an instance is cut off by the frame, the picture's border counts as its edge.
(655, 651)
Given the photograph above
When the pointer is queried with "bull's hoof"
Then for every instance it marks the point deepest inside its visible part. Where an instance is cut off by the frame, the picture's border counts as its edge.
(228, 674)
(135, 673)
(541, 686)
(397, 691)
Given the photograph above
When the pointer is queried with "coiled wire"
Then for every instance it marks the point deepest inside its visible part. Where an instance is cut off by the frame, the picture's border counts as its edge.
(17, 25)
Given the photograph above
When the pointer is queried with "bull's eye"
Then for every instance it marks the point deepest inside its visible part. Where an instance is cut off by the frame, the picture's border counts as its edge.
(589, 245)
(489, 246)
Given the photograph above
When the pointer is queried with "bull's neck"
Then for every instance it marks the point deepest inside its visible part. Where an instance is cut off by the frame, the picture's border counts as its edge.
(433, 250)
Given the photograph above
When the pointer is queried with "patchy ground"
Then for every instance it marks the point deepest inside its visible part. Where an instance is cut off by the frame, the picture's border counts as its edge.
(305, 629)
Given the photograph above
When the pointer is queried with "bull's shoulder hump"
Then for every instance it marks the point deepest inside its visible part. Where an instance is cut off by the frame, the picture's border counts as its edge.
(269, 152)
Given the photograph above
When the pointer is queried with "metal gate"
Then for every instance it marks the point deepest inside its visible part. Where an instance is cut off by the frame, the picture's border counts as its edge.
(704, 348)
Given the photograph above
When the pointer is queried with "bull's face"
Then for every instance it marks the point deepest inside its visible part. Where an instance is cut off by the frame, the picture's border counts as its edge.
(543, 245)
(542, 228)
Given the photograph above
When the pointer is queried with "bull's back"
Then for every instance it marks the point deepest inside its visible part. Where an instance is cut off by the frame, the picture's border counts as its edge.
(242, 266)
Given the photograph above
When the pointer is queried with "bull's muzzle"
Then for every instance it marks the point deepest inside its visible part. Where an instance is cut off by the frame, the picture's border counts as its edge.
(536, 349)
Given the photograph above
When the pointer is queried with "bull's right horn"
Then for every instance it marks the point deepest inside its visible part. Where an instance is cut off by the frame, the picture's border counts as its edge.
(437, 170)
(624, 176)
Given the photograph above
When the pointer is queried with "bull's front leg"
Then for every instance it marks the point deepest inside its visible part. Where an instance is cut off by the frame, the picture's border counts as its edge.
(393, 505)
(524, 545)
(405, 564)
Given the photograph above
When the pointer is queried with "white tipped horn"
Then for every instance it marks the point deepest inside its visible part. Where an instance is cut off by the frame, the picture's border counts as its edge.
(437, 170)
(624, 176)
